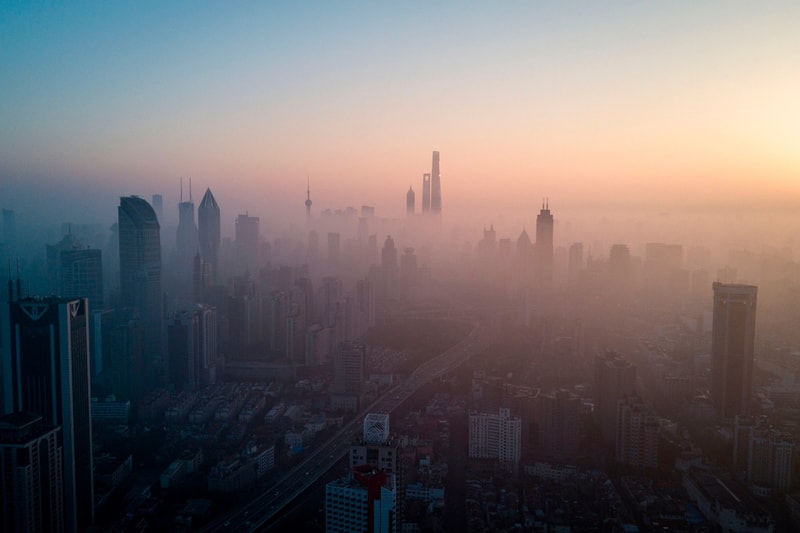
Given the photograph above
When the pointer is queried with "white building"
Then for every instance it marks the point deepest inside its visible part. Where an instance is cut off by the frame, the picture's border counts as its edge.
(495, 436)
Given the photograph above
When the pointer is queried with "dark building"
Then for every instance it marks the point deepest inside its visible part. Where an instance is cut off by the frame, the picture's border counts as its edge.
(186, 240)
(614, 379)
(31, 475)
(192, 347)
(544, 249)
(140, 273)
(45, 355)
(208, 232)
(732, 341)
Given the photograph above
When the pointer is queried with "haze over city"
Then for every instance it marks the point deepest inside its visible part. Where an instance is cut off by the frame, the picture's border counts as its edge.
(417, 267)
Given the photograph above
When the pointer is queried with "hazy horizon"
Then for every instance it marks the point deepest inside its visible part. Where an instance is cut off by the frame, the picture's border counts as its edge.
(621, 107)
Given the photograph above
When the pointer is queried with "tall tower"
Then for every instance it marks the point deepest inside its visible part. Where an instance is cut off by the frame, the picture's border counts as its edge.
(436, 186)
(209, 232)
(410, 202)
(426, 193)
(140, 271)
(44, 343)
(544, 248)
(308, 200)
(186, 239)
(732, 339)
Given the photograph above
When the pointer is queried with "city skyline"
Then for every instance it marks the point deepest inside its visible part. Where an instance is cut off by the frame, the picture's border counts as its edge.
(618, 105)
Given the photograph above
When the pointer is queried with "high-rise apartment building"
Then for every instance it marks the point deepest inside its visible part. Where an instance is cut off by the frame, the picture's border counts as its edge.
(366, 501)
(208, 232)
(31, 475)
(559, 423)
(348, 374)
(732, 344)
(140, 273)
(495, 436)
(44, 344)
(637, 434)
(614, 379)
(192, 347)
(436, 185)
(543, 275)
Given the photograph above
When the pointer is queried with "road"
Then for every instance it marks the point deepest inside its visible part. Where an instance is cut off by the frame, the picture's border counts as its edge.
(263, 509)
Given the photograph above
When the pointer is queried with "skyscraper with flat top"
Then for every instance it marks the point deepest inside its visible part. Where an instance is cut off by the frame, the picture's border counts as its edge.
(44, 343)
(732, 340)
(436, 185)
(208, 232)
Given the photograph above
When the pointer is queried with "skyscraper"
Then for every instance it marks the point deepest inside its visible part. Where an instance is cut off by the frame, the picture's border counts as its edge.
(410, 201)
(75, 271)
(45, 356)
(544, 249)
(248, 243)
(426, 193)
(208, 232)
(186, 239)
(140, 272)
(436, 185)
(732, 340)
(31, 475)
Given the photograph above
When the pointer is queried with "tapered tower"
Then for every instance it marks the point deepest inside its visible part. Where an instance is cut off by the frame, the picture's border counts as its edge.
(209, 232)
(436, 185)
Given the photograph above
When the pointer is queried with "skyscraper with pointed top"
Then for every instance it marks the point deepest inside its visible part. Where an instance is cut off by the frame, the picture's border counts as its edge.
(308, 200)
(436, 185)
(544, 248)
(410, 201)
(209, 232)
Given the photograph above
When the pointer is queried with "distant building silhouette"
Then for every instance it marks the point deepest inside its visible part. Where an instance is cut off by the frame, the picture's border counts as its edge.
(44, 343)
(248, 245)
(158, 205)
(186, 241)
(208, 232)
(308, 200)
(333, 250)
(614, 379)
(574, 264)
(410, 201)
(426, 194)
(544, 249)
(732, 344)
(140, 274)
(31, 475)
(76, 271)
(436, 185)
